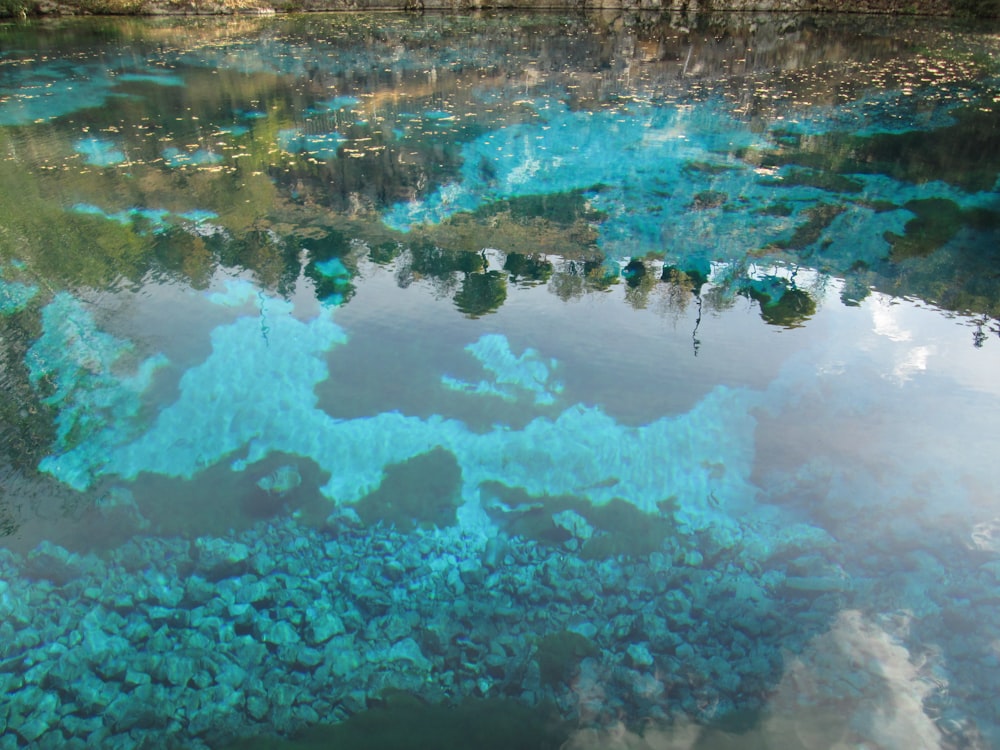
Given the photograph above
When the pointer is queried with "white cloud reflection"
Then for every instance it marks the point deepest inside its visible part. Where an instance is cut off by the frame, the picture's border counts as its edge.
(854, 686)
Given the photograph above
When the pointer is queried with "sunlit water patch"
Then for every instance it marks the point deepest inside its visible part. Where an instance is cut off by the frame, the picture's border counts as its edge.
(395, 382)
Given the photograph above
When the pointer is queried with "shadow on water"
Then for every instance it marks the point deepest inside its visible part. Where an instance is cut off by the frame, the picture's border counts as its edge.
(402, 722)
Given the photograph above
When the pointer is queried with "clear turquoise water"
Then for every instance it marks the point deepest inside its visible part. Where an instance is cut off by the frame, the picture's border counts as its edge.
(522, 381)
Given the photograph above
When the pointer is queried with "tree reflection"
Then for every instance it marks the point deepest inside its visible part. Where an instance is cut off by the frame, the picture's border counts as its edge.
(528, 270)
(481, 293)
(359, 138)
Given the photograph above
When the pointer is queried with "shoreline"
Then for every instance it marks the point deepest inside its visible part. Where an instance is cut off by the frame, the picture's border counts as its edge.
(38, 9)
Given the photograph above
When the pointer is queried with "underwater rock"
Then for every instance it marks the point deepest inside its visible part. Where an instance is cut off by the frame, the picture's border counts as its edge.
(817, 584)
(494, 551)
(220, 558)
(327, 643)
(639, 655)
(31, 729)
(54, 563)
(323, 626)
(118, 506)
(281, 633)
(574, 523)
(406, 651)
(281, 481)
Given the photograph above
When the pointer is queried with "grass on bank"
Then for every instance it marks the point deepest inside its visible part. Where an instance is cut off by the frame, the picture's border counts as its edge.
(29, 8)
(25, 8)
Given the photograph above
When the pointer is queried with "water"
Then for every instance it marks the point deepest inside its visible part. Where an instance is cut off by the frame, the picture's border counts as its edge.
(513, 381)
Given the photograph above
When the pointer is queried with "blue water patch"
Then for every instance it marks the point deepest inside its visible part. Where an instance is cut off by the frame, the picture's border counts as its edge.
(143, 219)
(250, 114)
(438, 115)
(155, 220)
(100, 152)
(14, 295)
(234, 130)
(666, 183)
(47, 91)
(93, 382)
(332, 268)
(527, 372)
(323, 146)
(263, 371)
(338, 103)
(161, 79)
(198, 215)
(174, 157)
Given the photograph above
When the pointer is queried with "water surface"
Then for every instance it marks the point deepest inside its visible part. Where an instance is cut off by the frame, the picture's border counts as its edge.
(393, 381)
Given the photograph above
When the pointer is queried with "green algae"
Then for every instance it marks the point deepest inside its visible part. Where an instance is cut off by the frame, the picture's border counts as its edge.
(620, 529)
(818, 218)
(400, 721)
(776, 209)
(965, 154)
(821, 180)
(708, 199)
(423, 491)
(936, 221)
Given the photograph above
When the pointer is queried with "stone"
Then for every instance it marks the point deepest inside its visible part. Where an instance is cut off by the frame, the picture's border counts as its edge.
(323, 626)
(257, 707)
(408, 651)
(281, 633)
(94, 695)
(220, 558)
(231, 675)
(577, 526)
(179, 670)
(341, 656)
(54, 563)
(396, 627)
(306, 714)
(124, 713)
(355, 701)
(283, 694)
(134, 678)
(308, 658)
(253, 592)
(199, 591)
(32, 729)
(80, 726)
(639, 655)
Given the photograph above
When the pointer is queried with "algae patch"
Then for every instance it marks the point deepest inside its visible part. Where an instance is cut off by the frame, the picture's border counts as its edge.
(620, 529)
(422, 491)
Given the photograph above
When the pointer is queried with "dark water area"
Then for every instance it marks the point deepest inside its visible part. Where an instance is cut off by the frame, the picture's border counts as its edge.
(502, 381)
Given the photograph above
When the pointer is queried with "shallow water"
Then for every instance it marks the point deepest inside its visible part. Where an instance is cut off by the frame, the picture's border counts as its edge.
(542, 381)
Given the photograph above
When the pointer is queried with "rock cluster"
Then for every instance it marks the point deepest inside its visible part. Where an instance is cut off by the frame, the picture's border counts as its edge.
(265, 632)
